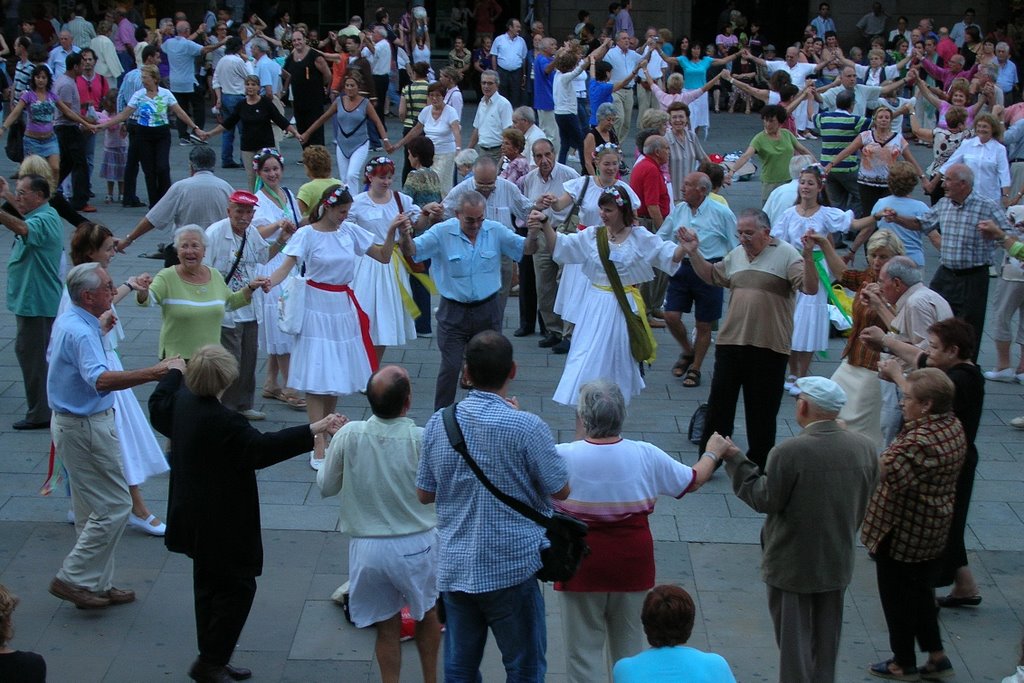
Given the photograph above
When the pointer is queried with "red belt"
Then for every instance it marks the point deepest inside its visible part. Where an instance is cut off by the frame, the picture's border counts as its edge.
(364, 320)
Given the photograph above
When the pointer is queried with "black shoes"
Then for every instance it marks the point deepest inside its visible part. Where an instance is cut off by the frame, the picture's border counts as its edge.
(25, 424)
(550, 340)
(231, 164)
(522, 332)
(562, 347)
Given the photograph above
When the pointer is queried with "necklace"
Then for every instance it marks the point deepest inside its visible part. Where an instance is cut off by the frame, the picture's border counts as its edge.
(615, 236)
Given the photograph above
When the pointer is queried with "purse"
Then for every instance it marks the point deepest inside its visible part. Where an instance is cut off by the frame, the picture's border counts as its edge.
(15, 149)
(291, 305)
(572, 222)
(567, 535)
(641, 345)
(695, 432)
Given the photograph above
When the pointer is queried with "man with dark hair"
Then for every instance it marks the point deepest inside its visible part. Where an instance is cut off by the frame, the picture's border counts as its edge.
(33, 287)
(838, 129)
(393, 548)
(489, 554)
(70, 137)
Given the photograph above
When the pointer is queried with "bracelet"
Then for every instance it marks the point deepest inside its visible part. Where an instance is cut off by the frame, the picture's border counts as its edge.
(714, 458)
(280, 242)
(128, 285)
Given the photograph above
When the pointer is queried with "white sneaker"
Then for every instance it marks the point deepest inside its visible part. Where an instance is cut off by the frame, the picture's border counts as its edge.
(314, 462)
(575, 158)
(147, 525)
(252, 415)
(1004, 375)
(1017, 677)
(789, 384)
(1017, 423)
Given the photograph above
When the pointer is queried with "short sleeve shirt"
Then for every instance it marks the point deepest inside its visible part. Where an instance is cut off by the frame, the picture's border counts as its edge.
(153, 111)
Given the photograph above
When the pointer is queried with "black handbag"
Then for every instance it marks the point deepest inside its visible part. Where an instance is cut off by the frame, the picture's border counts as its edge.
(15, 148)
(695, 432)
(567, 535)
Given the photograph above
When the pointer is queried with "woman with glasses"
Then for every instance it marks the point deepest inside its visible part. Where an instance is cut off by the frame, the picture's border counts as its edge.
(333, 353)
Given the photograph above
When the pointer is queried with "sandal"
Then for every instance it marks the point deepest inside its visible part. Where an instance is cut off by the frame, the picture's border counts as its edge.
(884, 670)
(692, 378)
(684, 362)
(936, 671)
(276, 394)
(294, 401)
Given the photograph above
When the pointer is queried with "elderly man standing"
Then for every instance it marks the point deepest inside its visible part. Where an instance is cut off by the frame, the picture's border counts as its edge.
(752, 351)
(715, 227)
(196, 200)
(548, 178)
(489, 554)
(624, 62)
(649, 184)
(58, 55)
(965, 253)
(493, 115)
(815, 489)
(33, 286)
(524, 120)
(468, 277)
(510, 51)
(237, 249)
(393, 546)
(182, 52)
(81, 395)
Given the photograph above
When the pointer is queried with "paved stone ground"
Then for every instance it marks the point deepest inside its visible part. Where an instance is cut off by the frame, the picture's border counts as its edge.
(707, 542)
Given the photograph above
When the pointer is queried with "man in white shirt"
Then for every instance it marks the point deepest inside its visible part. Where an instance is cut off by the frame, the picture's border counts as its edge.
(656, 66)
(229, 90)
(959, 31)
(509, 49)
(237, 250)
(493, 115)
(393, 549)
(523, 119)
(59, 54)
(380, 67)
(182, 52)
(548, 178)
(623, 61)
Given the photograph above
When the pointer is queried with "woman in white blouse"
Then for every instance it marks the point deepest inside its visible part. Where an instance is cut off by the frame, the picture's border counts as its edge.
(986, 156)
(567, 68)
(440, 123)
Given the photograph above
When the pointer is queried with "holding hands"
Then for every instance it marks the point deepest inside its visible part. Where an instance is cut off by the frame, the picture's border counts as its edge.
(890, 370)
(330, 424)
(259, 283)
(722, 446)
(688, 241)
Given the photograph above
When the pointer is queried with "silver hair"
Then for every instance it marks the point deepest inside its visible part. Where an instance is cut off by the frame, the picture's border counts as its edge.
(1001, 45)
(798, 163)
(607, 109)
(904, 268)
(491, 73)
(549, 143)
(601, 408)
(191, 229)
(165, 22)
(467, 157)
(759, 216)
(83, 278)
(260, 44)
(990, 70)
(961, 172)
(654, 143)
(471, 198)
(704, 183)
(485, 162)
(525, 113)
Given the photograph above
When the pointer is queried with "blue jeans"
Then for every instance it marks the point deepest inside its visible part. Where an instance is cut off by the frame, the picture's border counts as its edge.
(516, 617)
(227, 141)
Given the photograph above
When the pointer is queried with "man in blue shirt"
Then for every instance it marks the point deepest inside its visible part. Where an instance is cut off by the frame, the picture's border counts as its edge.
(33, 287)
(543, 82)
(80, 386)
(489, 553)
(182, 52)
(466, 267)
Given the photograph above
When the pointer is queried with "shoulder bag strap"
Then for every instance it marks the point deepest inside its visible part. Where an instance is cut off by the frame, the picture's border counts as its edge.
(458, 442)
(604, 251)
(579, 200)
(398, 201)
(238, 257)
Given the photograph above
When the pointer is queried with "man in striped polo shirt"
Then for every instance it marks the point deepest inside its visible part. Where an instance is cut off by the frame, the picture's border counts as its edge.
(838, 129)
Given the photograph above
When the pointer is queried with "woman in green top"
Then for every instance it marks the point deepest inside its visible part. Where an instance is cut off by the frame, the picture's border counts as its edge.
(193, 297)
(774, 146)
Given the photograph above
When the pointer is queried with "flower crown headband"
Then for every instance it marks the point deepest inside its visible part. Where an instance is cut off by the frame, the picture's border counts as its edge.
(606, 147)
(614, 192)
(265, 154)
(335, 197)
(377, 162)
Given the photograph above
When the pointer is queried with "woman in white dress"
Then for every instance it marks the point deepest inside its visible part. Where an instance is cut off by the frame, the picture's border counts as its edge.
(600, 345)
(383, 288)
(810, 318)
(141, 455)
(333, 354)
(573, 283)
(280, 208)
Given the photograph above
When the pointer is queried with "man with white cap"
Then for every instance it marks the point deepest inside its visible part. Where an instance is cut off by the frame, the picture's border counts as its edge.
(814, 488)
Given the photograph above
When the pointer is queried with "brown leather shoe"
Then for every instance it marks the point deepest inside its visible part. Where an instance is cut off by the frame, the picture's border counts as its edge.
(119, 596)
(78, 596)
(201, 672)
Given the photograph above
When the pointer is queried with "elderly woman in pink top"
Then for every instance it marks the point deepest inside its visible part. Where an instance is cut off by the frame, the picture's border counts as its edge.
(674, 89)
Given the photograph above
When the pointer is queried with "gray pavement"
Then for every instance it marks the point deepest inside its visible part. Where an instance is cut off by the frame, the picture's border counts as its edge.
(706, 542)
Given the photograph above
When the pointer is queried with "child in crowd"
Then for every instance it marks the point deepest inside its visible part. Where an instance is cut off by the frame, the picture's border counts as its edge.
(115, 149)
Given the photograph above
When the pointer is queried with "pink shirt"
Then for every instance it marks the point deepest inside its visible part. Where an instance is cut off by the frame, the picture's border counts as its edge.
(124, 36)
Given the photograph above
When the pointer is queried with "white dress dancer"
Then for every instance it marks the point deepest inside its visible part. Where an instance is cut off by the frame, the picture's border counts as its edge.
(810, 318)
(383, 288)
(573, 284)
(272, 339)
(600, 343)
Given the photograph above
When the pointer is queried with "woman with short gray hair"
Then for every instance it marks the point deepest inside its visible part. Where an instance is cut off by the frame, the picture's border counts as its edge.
(604, 132)
(614, 483)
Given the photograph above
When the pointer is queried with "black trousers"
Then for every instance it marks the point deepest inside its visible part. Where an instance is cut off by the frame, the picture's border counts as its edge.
(73, 163)
(760, 373)
(421, 297)
(955, 555)
(222, 604)
(908, 602)
(528, 295)
(131, 164)
(194, 104)
(304, 118)
(456, 325)
(155, 159)
(966, 291)
(510, 84)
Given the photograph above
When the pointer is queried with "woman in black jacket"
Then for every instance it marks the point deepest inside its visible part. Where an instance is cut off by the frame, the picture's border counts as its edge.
(213, 508)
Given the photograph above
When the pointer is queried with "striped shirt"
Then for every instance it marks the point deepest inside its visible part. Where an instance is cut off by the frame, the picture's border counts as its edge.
(838, 129)
(415, 95)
